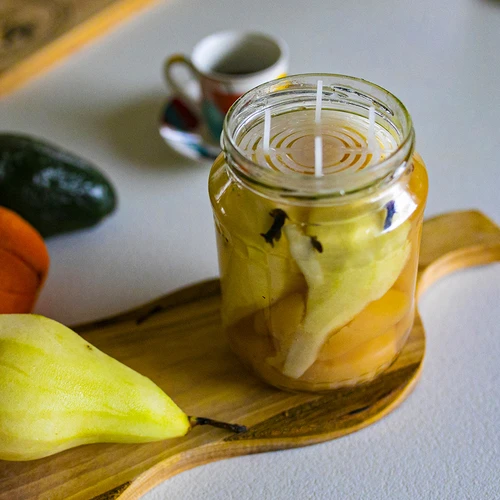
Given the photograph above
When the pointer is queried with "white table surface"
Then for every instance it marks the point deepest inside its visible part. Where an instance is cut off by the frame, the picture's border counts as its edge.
(443, 60)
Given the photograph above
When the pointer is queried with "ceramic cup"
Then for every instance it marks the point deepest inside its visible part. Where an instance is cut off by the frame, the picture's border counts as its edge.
(223, 67)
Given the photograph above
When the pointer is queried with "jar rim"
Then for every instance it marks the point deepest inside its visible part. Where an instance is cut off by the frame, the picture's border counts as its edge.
(360, 93)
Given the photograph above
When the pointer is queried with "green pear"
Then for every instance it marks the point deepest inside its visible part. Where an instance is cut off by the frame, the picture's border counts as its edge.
(57, 391)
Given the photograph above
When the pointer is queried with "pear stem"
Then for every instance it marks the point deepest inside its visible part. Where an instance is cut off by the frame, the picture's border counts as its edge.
(216, 423)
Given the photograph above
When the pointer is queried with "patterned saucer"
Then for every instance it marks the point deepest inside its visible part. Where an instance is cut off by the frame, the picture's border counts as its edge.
(183, 130)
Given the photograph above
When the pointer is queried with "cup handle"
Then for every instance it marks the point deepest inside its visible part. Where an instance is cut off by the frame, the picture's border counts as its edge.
(192, 94)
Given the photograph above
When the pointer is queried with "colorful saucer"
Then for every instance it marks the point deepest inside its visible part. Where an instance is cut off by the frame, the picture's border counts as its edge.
(184, 130)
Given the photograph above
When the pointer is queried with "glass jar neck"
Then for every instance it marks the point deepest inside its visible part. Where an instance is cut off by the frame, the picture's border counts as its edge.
(366, 138)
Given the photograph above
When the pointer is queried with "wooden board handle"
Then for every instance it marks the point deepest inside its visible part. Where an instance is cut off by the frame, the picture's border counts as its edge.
(471, 239)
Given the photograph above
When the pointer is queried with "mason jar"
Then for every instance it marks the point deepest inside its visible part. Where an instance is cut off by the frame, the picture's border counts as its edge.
(318, 200)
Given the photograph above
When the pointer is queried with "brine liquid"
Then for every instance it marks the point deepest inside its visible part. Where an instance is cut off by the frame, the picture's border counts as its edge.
(273, 308)
(348, 142)
(354, 353)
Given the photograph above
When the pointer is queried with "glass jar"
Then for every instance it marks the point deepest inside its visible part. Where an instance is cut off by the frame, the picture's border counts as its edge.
(318, 205)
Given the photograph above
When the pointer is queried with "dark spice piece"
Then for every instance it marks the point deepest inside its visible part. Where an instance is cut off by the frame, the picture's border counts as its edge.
(274, 233)
(316, 244)
(391, 210)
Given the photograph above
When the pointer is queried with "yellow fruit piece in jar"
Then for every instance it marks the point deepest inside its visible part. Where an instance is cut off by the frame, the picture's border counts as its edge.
(255, 274)
(359, 364)
(343, 287)
(376, 318)
(282, 322)
(284, 318)
(249, 285)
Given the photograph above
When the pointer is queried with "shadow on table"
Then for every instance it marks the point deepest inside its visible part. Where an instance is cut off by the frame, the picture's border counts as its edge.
(133, 133)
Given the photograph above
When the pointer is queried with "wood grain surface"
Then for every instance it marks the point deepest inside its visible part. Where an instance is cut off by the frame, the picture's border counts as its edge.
(34, 34)
(177, 341)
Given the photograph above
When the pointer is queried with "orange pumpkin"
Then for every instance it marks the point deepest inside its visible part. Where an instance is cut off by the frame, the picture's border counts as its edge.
(24, 263)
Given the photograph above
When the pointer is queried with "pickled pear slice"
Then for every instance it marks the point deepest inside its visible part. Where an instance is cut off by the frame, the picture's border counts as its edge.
(283, 319)
(254, 280)
(358, 365)
(255, 274)
(376, 318)
(345, 286)
(304, 255)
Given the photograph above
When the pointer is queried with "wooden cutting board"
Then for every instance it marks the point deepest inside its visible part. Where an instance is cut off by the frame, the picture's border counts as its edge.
(34, 34)
(177, 341)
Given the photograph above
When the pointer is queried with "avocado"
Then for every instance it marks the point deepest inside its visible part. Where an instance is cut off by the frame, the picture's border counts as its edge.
(54, 190)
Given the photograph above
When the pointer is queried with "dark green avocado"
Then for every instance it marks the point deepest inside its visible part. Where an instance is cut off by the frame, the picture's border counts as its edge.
(54, 190)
